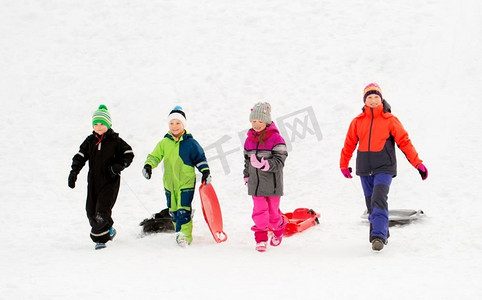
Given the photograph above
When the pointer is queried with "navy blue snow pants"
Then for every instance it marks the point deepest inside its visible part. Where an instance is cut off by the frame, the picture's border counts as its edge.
(376, 189)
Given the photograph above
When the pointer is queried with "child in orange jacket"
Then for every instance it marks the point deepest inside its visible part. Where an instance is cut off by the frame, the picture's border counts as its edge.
(375, 131)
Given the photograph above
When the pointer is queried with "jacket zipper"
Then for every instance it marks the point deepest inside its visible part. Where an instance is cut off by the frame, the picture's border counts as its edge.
(369, 142)
(257, 171)
(99, 143)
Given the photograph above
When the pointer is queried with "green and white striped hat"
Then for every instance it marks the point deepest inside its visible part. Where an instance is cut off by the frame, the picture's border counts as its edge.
(102, 115)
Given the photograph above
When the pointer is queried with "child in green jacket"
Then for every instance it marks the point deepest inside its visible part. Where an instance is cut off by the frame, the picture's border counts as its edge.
(181, 154)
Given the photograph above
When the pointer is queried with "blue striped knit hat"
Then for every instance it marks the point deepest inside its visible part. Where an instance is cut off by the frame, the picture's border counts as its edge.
(102, 116)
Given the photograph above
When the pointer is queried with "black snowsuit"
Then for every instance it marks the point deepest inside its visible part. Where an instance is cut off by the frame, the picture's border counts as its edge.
(102, 152)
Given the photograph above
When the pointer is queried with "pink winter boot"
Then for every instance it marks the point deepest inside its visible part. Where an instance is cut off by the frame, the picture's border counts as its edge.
(261, 238)
(261, 246)
(278, 233)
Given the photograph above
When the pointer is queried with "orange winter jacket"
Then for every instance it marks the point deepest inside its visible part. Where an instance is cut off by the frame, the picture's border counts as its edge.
(375, 131)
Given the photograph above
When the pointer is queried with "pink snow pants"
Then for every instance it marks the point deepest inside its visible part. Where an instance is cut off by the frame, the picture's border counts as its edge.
(267, 216)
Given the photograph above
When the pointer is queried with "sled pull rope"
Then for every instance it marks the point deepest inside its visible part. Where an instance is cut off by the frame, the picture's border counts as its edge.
(135, 195)
(355, 186)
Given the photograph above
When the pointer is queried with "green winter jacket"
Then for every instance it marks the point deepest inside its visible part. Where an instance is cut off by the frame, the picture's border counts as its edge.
(180, 157)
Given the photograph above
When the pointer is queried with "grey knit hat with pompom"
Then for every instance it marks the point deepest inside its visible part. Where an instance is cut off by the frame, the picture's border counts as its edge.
(261, 111)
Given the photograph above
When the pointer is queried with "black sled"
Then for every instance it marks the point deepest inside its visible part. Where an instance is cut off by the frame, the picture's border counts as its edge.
(159, 222)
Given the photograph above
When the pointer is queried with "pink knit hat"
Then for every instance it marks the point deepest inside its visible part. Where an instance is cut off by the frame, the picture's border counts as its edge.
(372, 88)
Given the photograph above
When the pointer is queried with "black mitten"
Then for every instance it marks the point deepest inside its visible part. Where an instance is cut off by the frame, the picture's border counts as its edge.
(72, 179)
(147, 171)
(115, 170)
(206, 178)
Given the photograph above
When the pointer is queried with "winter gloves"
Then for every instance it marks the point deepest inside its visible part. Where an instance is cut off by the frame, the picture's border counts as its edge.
(72, 179)
(263, 165)
(420, 168)
(206, 179)
(114, 170)
(147, 171)
(423, 171)
(346, 172)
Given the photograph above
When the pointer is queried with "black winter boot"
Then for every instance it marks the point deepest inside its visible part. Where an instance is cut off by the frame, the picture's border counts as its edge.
(377, 244)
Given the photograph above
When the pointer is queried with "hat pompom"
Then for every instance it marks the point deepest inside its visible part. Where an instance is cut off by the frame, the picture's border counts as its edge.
(102, 116)
(177, 113)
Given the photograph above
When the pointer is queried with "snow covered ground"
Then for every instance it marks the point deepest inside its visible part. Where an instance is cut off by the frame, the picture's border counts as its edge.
(60, 59)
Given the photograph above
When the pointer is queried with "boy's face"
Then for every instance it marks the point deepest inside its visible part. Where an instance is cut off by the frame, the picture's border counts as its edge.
(258, 125)
(373, 100)
(176, 127)
(100, 128)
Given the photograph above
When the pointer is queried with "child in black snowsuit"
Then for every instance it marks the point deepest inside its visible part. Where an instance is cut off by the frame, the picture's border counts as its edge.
(108, 155)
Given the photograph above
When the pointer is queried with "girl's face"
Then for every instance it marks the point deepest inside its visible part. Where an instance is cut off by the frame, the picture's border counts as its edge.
(176, 127)
(100, 128)
(258, 125)
(373, 100)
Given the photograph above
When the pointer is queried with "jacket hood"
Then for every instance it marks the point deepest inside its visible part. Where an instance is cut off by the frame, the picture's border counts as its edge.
(386, 107)
(269, 131)
(185, 135)
(109, 133)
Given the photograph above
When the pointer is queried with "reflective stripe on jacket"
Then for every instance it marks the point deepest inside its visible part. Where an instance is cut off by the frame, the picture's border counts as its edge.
(273, 149)
(180, 158)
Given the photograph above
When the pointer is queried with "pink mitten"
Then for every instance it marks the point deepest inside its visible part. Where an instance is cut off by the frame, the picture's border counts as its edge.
(346, 172)
(263, 165)
(423, 171)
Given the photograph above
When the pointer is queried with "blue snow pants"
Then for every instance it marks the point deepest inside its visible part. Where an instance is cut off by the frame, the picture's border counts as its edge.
(375, 188)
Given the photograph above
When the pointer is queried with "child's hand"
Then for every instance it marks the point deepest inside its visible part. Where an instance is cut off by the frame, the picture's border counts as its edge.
(346, 173)
(206, 179)
(147, 171)
(72, 179)
(263, 165)
(423, 171)
(115, 170)
(246, 180)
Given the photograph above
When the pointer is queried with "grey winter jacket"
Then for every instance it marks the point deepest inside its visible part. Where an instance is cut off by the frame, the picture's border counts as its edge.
(273, 149)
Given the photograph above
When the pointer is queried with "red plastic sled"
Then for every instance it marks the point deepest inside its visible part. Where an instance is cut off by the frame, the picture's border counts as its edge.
(212, 212)
(300, 220)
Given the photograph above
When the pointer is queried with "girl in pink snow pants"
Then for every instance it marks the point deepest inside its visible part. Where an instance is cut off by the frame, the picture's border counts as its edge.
(265, 153)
